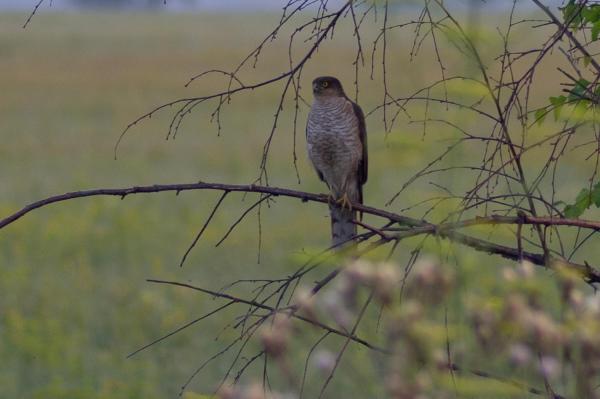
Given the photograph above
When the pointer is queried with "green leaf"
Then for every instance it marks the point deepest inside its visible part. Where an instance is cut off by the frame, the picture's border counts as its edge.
(595, 30)
(571, 211)
(557, 102)
(581, 108)
(540, 115)
(591, 14)
(557, 111)
(588, 14)
(572, 13)
(584, 198)
(596, 195)
(582, 202)
(578, 91)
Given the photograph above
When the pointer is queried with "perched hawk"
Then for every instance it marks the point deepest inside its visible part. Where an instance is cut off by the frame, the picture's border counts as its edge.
(336, 136)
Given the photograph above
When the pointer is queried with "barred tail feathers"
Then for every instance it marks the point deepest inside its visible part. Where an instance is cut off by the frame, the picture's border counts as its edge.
(342, 227)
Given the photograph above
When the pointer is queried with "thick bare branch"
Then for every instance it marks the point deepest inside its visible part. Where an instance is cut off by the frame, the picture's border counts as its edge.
(417, 227)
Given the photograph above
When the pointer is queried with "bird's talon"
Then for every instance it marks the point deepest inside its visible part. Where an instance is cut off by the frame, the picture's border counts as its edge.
(345, 202)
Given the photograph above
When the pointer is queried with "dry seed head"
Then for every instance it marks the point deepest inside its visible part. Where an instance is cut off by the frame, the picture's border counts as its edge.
(324, 361)
(549, 367)
(305, 301)
(544, 330)
(255, 391)
(515, 307)
(519, 354)
(275, 337)
(359, 272)
(526, 269)
(485, 324)
(385, 283)
(576, 299)
(440, 359)
(592, 304)
(227, 392)
(431, 281)
(509, 274)
(399, 325)
(274, 344)
(426, 272)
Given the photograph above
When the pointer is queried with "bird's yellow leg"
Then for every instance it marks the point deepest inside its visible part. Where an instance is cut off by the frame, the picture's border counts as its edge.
(345, 202)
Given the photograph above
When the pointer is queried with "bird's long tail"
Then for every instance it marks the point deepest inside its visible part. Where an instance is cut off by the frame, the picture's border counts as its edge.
(342, 227)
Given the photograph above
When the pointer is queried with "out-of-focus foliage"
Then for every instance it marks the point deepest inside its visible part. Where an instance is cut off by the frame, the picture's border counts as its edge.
(510, 324)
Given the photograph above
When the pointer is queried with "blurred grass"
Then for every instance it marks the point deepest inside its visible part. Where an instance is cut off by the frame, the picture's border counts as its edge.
(73, 299)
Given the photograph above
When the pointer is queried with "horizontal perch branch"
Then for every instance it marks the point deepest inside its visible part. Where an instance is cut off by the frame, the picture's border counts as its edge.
(177, 188)
(446, 230)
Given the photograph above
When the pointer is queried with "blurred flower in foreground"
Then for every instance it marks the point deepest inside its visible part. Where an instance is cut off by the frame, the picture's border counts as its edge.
(254, 391)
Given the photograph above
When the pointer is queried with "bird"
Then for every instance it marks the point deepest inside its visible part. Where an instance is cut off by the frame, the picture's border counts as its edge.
(336, 137)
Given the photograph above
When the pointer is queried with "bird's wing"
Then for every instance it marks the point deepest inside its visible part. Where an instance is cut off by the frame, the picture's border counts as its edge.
(363, 167)
(320, 174)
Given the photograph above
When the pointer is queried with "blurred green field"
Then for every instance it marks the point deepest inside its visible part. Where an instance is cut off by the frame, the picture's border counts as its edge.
(73, 296)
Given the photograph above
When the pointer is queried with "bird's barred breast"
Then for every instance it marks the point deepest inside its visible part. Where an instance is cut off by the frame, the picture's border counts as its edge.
(333, 134)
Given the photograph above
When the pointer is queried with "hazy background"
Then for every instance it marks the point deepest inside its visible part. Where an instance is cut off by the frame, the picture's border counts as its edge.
(245, 5)
(158, 4)
(73, 296)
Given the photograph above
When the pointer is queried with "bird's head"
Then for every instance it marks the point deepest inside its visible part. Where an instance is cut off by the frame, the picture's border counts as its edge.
(327, 86)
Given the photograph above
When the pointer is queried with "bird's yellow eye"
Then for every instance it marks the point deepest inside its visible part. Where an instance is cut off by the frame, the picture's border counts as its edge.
(325, 84)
